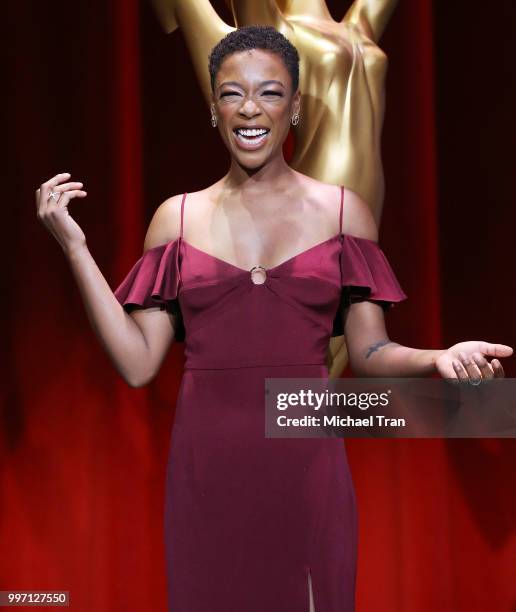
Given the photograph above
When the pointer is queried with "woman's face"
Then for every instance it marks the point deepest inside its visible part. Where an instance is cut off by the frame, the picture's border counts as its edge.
(253, 91)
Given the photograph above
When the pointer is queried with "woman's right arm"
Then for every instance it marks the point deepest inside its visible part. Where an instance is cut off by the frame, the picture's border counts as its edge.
(137, 342)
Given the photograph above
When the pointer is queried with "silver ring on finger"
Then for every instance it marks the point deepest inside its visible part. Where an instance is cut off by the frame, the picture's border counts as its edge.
(475, 381)
(54, 195)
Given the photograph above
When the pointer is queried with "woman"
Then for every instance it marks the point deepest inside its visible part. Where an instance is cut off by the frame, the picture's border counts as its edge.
(350, 81)
(281, 260)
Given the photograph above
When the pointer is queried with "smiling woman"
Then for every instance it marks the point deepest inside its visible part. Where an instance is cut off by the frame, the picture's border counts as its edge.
(255, 93)
(252, 523)
(256, 273)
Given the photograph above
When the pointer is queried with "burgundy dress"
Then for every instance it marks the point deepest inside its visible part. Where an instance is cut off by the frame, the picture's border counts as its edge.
(249, 519)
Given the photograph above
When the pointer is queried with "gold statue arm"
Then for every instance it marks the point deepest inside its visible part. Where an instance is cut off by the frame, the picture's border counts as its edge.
(371, 16)
(265, 12)
(202, 29)
(164, 10)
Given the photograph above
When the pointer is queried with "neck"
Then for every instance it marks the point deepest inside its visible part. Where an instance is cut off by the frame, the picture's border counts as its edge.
(273, 177)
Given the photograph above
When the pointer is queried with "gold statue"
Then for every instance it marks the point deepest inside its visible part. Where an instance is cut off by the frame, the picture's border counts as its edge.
(342, 76)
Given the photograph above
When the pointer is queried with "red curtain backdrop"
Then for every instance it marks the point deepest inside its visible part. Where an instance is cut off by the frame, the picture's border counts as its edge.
(96, 89)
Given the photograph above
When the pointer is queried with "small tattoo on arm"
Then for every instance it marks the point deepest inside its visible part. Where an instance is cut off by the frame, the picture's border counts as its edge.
(376, 346)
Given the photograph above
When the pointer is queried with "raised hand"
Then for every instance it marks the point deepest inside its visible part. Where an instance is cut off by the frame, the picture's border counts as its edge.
(466, 361)
(52, 200)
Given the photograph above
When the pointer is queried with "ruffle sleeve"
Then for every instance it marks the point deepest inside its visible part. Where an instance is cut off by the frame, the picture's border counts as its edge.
(365, 275)
(154, 281)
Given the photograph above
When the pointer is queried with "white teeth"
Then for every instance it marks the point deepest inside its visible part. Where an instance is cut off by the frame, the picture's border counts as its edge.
(253, 137)
(253, 132)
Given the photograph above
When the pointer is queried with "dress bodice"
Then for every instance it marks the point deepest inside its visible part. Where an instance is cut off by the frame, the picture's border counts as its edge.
(227, 319)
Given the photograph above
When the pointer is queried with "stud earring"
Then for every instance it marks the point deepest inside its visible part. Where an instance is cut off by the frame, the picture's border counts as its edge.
(295, 119)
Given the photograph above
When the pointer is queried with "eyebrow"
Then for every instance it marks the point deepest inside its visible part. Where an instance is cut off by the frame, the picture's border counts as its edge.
(237, 84)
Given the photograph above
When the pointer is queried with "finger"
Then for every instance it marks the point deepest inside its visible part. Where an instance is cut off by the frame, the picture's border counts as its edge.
(66, 187)
(483, 365)
(459, 370)
(497, 369)
(68, 195)
(47, 187)
(470, 367)
(57, 179)
(496, 350)
(53, 199)
(58, 190)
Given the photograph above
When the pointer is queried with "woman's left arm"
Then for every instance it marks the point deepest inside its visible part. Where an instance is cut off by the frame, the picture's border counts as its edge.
(373, 354)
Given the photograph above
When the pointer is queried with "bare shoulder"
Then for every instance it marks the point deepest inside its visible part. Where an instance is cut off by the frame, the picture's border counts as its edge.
(165, 223)
(357, 218)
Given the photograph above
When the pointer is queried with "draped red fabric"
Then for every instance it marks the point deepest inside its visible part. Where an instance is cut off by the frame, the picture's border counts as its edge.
(96, 89)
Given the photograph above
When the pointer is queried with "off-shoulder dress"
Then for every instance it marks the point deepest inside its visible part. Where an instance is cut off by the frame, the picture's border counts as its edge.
(256, 524)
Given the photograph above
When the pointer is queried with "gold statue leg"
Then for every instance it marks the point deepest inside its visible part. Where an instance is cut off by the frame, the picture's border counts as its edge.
(337, 356)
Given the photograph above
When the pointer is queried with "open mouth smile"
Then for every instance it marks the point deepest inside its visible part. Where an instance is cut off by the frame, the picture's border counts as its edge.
(251, 138)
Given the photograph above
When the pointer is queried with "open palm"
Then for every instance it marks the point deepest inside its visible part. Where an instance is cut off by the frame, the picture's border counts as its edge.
(469, 361)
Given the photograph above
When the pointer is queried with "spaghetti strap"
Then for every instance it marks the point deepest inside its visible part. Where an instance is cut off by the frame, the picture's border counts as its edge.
(341, 207)
(182, 210)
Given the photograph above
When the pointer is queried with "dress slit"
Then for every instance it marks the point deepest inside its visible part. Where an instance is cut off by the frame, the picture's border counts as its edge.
(310, 593)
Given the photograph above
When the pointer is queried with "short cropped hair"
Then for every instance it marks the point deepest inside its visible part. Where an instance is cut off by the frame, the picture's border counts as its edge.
(255, 37)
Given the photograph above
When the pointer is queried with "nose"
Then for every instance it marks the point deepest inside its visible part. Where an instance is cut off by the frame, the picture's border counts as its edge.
(249, 108)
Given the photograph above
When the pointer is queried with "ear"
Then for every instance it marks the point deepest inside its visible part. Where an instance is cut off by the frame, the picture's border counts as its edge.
(296, 102)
